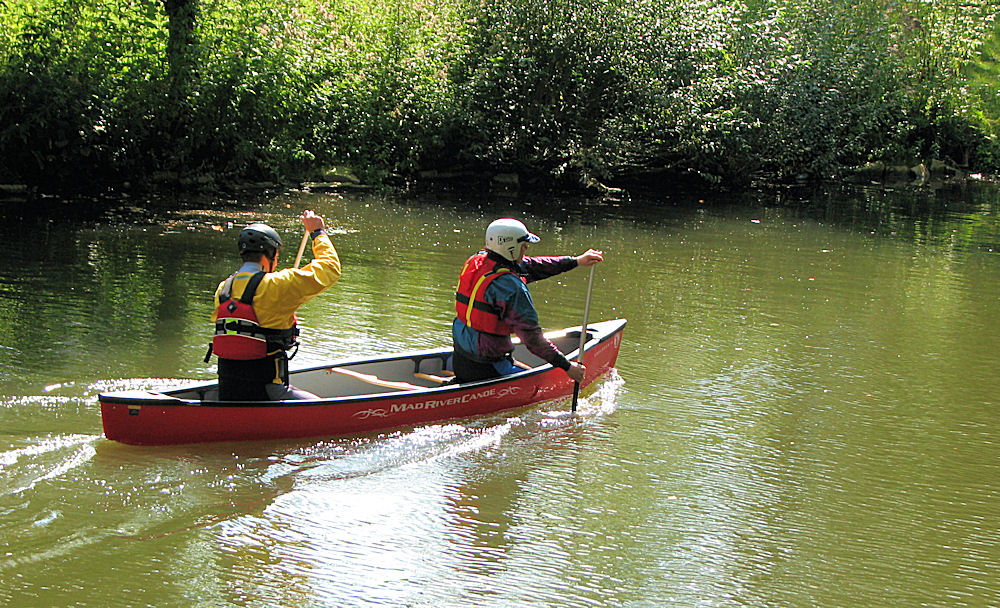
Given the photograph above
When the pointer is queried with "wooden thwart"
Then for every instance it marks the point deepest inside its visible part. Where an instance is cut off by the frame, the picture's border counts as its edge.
(433, 378)
(375, 380)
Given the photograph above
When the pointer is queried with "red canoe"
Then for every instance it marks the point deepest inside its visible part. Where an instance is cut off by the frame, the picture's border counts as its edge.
(355, 396)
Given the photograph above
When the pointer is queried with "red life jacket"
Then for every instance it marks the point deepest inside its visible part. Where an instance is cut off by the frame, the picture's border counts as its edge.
(238, 335)
(477, 274)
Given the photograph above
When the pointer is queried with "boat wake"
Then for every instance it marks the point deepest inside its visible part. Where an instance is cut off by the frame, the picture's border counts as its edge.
(361, 457)
(33, 458)
(343, 459)
(42, 459)
(603, 401)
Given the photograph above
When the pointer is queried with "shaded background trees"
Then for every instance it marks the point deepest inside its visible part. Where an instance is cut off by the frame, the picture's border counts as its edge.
(103, 92)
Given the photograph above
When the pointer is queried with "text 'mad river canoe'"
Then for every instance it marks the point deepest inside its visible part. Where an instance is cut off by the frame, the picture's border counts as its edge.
(354, 396)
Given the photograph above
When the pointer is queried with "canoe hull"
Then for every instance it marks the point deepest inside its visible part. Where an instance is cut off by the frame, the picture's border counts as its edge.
(146, 418)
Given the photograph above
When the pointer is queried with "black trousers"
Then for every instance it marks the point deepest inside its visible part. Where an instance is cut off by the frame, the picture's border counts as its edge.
(254, 379)
(469, 370)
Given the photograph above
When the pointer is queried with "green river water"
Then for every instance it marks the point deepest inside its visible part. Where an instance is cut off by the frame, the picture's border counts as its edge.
(805, 411)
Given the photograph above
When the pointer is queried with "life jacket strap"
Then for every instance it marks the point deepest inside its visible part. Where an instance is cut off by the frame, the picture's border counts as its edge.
(249, 329)
(251, 288)
(248, 292)
(478, 304)
(240, 327)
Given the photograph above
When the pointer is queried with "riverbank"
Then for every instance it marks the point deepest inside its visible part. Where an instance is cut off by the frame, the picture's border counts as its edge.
(167, 188)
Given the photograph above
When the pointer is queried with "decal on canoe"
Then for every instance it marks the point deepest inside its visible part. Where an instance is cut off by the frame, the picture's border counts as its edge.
(365, 414)
(396, 408)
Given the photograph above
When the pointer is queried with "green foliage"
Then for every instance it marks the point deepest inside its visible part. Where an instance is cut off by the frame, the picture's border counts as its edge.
(933, 43)
(983, 74)
(75, 82)
(385, 94)
(266, 89)
(726, 90)
(837, 104)
(105, 91)
(540, 81)
(709, 79)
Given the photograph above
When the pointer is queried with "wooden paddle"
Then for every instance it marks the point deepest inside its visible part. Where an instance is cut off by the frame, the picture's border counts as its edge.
(302, 247)
(583, 335)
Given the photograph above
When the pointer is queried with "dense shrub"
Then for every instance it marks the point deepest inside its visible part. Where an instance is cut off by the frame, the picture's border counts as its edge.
(540, 81)
(76, 85)
(104, 91)
(268, 89)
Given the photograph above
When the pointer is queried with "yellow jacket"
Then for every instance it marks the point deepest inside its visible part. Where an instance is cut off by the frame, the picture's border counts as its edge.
(281, 293)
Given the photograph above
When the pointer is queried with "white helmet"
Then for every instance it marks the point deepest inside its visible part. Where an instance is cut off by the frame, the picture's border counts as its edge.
(504, 236)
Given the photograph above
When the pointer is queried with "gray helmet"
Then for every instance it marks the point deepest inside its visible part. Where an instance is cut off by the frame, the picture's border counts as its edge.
(259, 237)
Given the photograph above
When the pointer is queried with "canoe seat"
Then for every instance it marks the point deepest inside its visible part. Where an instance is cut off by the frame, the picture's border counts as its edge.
(375, 380)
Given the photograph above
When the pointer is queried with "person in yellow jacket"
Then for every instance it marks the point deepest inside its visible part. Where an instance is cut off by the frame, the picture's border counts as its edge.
(254, 316)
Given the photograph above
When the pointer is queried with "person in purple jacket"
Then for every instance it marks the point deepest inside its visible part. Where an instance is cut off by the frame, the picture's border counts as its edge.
(492, 302)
